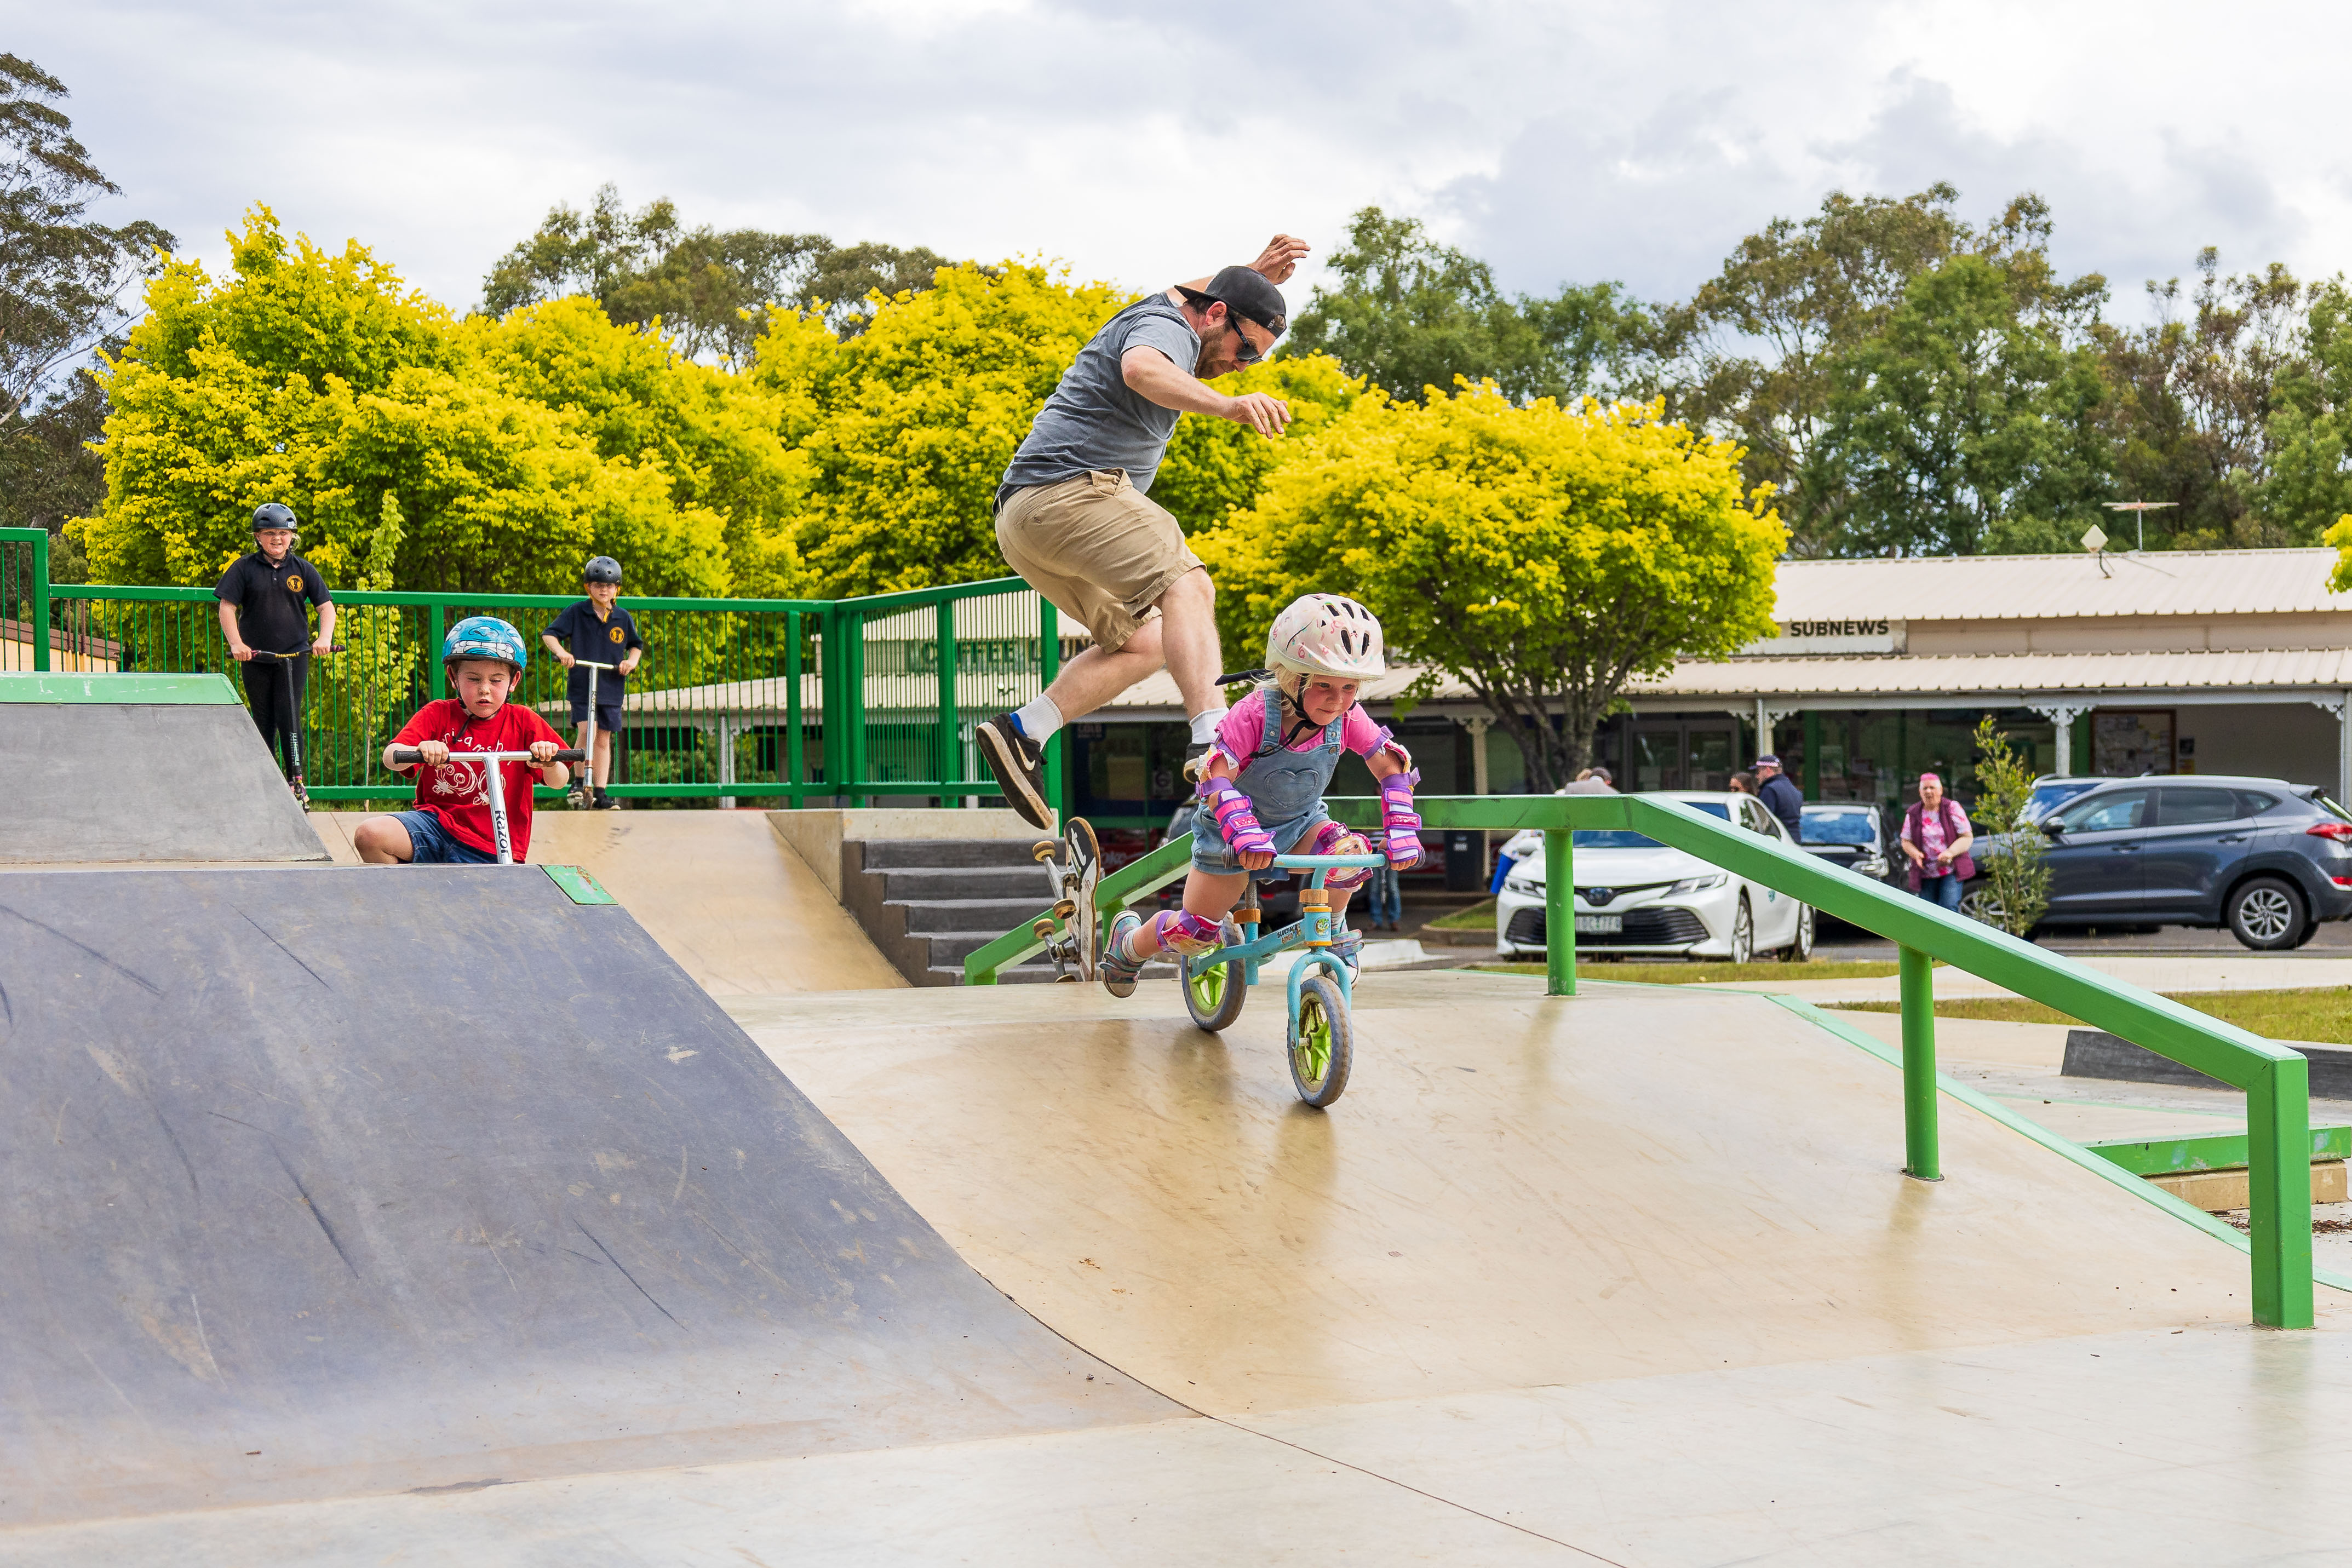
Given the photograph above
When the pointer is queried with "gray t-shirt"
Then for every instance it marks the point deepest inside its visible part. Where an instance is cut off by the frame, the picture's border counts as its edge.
(1094, 420)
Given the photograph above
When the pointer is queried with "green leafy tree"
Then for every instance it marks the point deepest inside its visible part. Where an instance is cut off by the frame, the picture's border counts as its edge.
(318, 379)
(1410, 314)
(2308, 486)
(1543, 556)
(1760, 352)
(1963, 414)
(2201, 404)
(62, 275)
(710, 291)
(910, 423)
(2016, 874)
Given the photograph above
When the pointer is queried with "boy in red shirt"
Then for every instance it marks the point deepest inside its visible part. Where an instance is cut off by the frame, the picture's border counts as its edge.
(451, 822)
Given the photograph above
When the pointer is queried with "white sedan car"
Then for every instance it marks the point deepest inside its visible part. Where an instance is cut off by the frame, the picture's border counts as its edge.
(1634, 896)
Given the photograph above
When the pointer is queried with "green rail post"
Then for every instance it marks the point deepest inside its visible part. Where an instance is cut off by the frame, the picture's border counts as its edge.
(40, 599)
(795, 746)
(950, 753)
(853, 694)
(1922, 1159)
(435, 630)
(1560, 912)
(1049, 664)
(2278, 1129)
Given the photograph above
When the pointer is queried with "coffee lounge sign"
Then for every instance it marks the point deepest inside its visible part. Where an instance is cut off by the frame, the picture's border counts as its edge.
(1863, 634)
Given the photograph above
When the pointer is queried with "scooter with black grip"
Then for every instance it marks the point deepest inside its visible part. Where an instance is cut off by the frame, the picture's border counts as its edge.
(402, 755)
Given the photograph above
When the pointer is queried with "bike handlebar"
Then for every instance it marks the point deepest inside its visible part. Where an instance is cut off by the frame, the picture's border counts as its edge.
(1328, 862)
(404, 755)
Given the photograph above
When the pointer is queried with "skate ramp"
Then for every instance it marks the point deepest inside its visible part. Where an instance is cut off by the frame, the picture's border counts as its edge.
(109, 769)
(341, 1182)
(717, 890)
(1517, 1191)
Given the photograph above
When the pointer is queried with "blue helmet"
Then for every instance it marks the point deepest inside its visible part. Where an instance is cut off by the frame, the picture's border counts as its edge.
(485, 637)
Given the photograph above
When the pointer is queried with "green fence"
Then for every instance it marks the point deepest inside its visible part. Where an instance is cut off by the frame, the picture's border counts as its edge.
(738, 700)
(2274, 1079)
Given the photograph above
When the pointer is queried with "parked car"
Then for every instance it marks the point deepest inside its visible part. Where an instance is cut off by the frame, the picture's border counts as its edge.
(1851, 834)
(2267, 858)
(2052, 790)
(1634, 895)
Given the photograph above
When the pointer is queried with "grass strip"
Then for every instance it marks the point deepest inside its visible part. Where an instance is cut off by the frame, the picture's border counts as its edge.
(1477, 918)
(2322, 1015)
(1704, 973)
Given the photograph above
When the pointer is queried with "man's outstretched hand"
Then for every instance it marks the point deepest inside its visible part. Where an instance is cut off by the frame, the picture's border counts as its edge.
(1281, 257)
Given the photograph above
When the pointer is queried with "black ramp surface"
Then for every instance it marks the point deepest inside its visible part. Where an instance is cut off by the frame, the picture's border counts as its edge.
(101, 781)
(322, 1183)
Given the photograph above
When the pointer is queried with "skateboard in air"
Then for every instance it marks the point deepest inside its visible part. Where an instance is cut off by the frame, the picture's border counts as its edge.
(1073, 865)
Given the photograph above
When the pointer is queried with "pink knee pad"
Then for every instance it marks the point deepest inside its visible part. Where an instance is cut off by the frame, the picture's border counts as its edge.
(1331, 839)
(1179, 931)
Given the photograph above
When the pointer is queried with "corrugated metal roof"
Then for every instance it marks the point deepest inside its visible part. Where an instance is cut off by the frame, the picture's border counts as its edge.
(2059, 587)
(1929, 676)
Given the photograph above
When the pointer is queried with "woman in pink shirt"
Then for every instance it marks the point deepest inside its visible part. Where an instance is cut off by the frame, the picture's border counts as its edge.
(1937, 838)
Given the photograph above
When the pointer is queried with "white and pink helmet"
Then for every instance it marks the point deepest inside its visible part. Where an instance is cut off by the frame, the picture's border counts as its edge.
(1325, 635)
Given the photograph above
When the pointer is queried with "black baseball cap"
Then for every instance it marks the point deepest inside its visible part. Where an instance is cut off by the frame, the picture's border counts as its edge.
(1245, 292)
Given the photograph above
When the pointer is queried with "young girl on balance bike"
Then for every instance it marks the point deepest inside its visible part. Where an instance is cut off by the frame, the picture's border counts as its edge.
(1267, 775)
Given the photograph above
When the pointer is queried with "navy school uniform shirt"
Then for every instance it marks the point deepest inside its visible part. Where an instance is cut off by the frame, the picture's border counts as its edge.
(606, 640)
(273, 601)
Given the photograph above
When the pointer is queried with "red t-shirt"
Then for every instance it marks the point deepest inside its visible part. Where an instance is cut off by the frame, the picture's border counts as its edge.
(459, 793)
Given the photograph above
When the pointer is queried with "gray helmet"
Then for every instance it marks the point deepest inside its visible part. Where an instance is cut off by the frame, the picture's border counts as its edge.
(271, 515)
(601, 569)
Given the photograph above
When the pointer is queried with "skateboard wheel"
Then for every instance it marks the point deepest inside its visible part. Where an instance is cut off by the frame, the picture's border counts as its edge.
(1043, 930)
(1068, 909)
(1045, 849)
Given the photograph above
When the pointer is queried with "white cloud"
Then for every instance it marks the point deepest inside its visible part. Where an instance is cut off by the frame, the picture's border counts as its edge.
(1565, 141)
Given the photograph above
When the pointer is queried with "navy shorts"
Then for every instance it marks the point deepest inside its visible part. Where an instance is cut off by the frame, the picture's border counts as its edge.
(608, 715)
(433, 845)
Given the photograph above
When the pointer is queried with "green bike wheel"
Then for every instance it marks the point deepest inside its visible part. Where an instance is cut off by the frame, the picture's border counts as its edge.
(1324, 1046)
(1215, 994)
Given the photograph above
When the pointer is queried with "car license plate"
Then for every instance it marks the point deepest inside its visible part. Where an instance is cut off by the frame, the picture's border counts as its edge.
(1599, 925)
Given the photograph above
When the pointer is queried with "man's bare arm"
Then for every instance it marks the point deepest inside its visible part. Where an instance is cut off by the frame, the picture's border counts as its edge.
(1154, 375)
(1277, 262)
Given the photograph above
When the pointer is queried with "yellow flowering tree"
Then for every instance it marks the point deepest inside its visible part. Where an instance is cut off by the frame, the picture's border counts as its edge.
(909, 425)
(1543, 556)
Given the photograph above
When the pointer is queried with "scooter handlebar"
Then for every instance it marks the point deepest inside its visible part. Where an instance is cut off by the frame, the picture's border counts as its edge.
(404, 755)
(289, 658)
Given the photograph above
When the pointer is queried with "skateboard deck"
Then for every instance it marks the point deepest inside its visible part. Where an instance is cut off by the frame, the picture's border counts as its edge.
(1073, 865)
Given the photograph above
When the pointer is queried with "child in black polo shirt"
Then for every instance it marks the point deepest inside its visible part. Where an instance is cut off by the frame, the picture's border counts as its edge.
(265, 600)
(599, 630)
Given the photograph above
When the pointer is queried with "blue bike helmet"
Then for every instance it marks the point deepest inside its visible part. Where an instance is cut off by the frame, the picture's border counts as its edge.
(485, 637)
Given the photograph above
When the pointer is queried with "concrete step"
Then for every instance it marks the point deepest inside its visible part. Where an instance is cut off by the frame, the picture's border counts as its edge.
(958, 884)
(907, 854)
(993, 916)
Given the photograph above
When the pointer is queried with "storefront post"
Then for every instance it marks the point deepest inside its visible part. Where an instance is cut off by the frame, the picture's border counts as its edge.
(2062, 716)
(2343, 746)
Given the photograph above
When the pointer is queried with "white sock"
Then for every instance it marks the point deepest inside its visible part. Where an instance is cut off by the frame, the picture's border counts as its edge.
(1039, 719)
(1204, 726)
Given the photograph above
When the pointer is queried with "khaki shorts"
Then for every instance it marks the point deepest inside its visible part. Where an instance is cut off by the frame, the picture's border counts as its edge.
(1099, 549)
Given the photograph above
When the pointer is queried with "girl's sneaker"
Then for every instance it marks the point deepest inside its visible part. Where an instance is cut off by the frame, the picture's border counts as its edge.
(1118, 971)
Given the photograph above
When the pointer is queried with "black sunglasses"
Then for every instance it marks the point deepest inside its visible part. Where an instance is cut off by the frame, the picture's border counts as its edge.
(1249, 353)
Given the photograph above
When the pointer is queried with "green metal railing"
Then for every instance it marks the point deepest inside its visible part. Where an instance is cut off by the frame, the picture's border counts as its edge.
(24, 598)
(2274, 1079)
(764, 701)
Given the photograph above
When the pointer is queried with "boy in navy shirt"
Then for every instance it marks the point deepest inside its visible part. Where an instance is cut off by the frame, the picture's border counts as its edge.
(265, 600)
(599, 630)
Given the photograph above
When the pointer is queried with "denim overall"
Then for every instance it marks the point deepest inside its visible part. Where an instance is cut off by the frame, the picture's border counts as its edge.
(1285, 787)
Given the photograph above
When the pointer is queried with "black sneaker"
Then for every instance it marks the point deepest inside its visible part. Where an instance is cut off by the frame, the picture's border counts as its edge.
(604, 802)
(1020, 768)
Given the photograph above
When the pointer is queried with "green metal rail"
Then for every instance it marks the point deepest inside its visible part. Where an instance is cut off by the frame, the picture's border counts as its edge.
(761, 700)
(2275, 1079)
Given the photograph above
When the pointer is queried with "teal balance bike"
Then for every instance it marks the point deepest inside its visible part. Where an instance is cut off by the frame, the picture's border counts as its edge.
(1321, 1038)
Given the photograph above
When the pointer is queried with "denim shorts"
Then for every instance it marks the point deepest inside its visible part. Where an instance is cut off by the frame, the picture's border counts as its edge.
(433, 845)
(608, 715)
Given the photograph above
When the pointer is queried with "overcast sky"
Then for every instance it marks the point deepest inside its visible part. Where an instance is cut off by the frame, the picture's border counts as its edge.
(1144, 143)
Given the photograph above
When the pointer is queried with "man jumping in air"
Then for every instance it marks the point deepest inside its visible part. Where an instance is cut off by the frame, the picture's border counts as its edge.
(1074, 517)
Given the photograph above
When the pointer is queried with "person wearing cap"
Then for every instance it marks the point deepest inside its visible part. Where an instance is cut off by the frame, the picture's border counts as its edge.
(266, 599)
(1780, 797)
(1074, 517)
